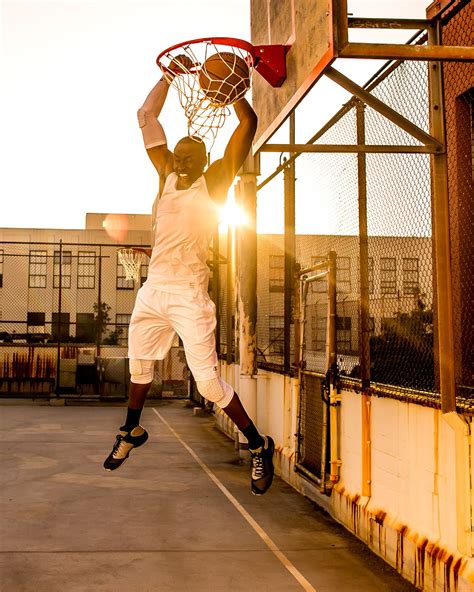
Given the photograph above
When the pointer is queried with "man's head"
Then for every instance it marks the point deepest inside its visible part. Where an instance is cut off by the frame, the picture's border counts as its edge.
(190, 159)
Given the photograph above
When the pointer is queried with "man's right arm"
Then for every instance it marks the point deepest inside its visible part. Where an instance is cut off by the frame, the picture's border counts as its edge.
(153, 134)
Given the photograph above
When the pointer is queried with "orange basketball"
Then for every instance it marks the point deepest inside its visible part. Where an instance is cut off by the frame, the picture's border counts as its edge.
(224, 78)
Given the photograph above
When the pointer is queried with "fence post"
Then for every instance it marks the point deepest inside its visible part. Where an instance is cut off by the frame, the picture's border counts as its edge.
(331, 357)
(364, 339)
(441, 235)
(289, 246)
(331, 361)
(230, 294)
(247, 287)
(58, 349)
(99, 304)
(216, 286)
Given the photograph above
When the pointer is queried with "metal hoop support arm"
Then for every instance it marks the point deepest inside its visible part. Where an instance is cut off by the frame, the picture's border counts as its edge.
(270, 62)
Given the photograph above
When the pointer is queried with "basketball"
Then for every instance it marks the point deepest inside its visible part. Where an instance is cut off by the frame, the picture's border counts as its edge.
(224, 78)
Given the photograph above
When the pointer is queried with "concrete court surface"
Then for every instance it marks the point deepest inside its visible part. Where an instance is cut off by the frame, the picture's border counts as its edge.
(177, 517)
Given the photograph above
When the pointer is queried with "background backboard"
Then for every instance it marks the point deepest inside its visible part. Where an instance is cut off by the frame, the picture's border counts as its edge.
(308, 27)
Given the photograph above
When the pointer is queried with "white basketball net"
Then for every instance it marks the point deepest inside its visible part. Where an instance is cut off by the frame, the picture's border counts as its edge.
(132, 261)
(205, 116)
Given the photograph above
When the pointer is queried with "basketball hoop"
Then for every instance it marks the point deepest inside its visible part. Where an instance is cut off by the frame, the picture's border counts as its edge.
(210, 74)
(131, 260)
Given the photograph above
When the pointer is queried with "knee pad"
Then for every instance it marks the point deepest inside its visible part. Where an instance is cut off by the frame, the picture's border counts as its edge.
(152, 131)
(141, 371)
(216, 390)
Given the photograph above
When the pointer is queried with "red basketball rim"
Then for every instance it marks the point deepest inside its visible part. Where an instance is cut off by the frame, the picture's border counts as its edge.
(229, 41)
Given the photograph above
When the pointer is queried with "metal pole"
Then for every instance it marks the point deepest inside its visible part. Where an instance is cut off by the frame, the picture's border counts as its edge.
(297, 320)
(331, 358)
(247, 277)
(364, 339)
(346, 149)
(230, 294)
(289, 245)
(58, 353)
(441, 237)
(324, 446)
(247, 289)
(216, 286)
(99, 304)
(341, 28)
(331, 334)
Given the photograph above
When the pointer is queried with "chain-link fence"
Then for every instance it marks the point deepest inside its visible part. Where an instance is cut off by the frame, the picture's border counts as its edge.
(374, 211)
(338, 195)
(400, 278)
(65, 310)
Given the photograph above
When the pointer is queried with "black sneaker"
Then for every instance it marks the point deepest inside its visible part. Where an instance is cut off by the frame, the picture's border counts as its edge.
(124, 444)
(261, 464)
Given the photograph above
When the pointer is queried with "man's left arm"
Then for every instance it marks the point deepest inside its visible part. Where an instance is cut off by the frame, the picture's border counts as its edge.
(221, 173)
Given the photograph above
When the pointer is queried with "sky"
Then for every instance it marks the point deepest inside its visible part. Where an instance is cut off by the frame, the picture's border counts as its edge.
(74, 73)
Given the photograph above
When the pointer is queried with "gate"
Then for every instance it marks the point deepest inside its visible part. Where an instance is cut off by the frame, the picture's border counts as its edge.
(317, 451)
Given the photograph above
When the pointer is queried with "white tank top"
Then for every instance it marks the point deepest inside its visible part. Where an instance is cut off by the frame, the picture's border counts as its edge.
(184, 222)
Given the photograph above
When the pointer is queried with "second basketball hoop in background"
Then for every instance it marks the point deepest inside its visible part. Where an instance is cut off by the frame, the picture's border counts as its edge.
(131, 260)
(224, 78)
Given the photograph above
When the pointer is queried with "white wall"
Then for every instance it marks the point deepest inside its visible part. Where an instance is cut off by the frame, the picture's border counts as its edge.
(411, 518)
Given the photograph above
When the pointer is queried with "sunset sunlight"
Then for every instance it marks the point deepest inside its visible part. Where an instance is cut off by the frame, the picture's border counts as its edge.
(231, 214)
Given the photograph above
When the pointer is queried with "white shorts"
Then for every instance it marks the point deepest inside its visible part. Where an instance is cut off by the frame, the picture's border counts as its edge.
(160, 314)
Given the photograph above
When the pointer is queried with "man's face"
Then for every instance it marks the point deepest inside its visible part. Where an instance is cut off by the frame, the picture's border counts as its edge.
(189, 163)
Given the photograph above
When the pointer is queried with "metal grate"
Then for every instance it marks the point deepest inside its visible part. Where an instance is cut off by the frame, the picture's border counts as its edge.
(311, 425)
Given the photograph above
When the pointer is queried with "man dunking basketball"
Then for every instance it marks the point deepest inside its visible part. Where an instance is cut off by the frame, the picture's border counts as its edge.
(174, 298)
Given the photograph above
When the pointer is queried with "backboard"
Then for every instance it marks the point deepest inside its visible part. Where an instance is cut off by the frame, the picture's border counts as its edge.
(309, 28)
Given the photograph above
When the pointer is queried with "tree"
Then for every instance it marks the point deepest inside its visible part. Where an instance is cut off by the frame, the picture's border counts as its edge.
(101, 319)
(113, 337)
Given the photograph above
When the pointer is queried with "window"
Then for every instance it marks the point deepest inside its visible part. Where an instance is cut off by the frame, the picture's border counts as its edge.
(122, 282)
(66, 260)
(60, 325)
(320, 285)
(37, 269)
(388, 275)
(411, 279)
(343, 334)
(343, 274)
(277, 273)
(277, 335)
(35, 322)
(371, 274)
(85, 327)
(86, 269)
(122, 322)
(1, 268)
(318, 333)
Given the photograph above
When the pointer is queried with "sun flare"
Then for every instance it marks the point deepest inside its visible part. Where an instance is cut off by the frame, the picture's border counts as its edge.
(231, 214)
